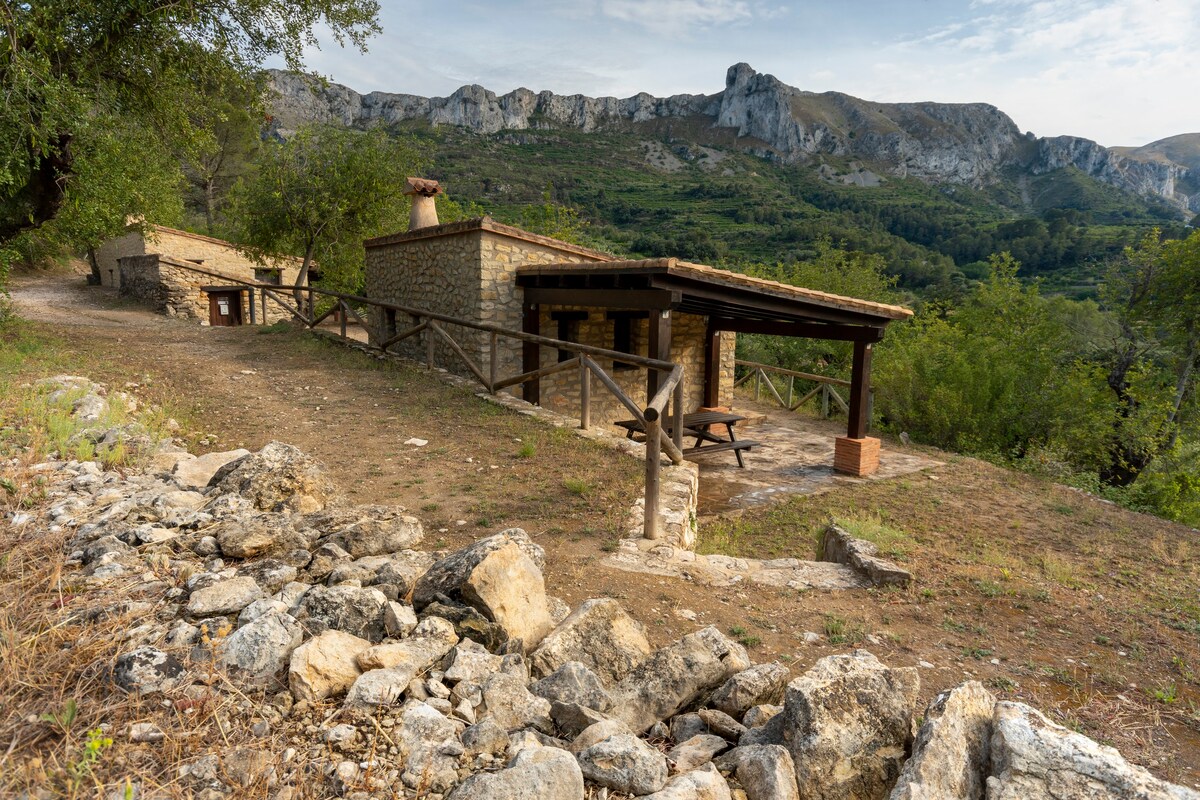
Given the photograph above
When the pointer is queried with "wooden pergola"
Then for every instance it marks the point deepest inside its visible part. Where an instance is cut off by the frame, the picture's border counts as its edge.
(730, 301)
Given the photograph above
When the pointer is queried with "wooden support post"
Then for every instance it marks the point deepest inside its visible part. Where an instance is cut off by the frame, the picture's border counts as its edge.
(531, 352)
(264, 306)
(253, 321)
(428, 334)
(712, 367)
(493, 360)
(677, 412)
(824, 401)
(860, 390)
(791, 390)
(342, 316)
(757, 384)
(585, 396)
(660, 348)
(653, 460)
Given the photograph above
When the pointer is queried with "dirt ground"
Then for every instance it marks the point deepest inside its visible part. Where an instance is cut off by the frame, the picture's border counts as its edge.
(1085, 610)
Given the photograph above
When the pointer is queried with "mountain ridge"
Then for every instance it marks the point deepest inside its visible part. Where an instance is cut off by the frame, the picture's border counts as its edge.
(968, 143)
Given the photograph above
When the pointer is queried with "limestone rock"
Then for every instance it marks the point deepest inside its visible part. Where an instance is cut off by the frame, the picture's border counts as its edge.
(1035, 759)
(539, 773)
(325, 665)
(696, 752)
(469, 624)
(509, 589)
(760, 684)
(573, 682)
(428, 748)
(148, 670)
(624, 763)
(597, 733)
(369, 530)
(760, 715)
(700, 784)
(847, 723)
(950, 754)
(277, 478)
(598, 634)
(722, 724)
(767, 772)
(195, 473)
(508, 702)
(224, 597)
(345, 608)
(251, 534)
(472, 663)
(572, 719)
(685, 726)
(668, 681)
(447, 575)
(485, 737)
(269, 573)
(389, 668)
(838, 545)
(256, 653)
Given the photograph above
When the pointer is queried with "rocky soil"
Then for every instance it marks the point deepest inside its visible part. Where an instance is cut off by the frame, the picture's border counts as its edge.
(393, 671)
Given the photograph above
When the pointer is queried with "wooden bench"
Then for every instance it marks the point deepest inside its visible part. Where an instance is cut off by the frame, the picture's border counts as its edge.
(737, 446)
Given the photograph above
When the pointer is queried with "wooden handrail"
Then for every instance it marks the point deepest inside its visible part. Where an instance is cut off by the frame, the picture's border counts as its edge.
(670, 389)
(808, 376)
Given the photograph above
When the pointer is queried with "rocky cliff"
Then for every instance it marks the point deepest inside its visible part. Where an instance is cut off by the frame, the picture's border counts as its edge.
(938, 142)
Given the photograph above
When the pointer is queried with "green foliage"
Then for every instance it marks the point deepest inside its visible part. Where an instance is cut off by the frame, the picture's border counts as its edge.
(319, 194)
(64, 719)
(552, 219)
(999, 376)
(79, 769)
(72, 71)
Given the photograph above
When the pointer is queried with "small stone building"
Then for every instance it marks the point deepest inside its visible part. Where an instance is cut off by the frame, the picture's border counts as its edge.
(159, 267)
(666, 309)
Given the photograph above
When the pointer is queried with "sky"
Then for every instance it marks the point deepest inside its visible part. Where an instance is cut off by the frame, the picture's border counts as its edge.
(1121, 72)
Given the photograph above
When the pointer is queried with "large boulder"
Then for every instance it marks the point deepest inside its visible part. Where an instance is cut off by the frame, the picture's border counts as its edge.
(277, 478)
(598, 634)
(252, 534)
(696, 752)
(500, 578)
(573, 683)
(224, 597)
(755, 686)
(195, 473)
(675, 677)
(369, 530)
(536, 773)
(624, 763)
(352, 609)
(325, 665)
(1035, 759)
(258, 651)
(767, 772)
(446, 576)
(508, 702)
(950, 754)
(848, 724)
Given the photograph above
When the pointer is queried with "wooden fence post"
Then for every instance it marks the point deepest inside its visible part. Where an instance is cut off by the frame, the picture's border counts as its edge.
(677, 401)
(342, 316)
(428, 333)
(757, 384)
(653, 460)
(493, 357)
(824, 401)
(585, 396)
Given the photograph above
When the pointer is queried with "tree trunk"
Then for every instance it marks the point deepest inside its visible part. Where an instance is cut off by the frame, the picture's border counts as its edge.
(210, 199)
(1182, 382)
(94, 279)
(44, 191)
(302, 277)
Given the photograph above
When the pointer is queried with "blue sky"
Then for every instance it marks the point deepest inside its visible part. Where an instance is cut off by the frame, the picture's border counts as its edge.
(1122, 72)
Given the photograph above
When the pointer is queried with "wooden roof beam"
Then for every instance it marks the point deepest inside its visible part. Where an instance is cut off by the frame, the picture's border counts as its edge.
(803, 330)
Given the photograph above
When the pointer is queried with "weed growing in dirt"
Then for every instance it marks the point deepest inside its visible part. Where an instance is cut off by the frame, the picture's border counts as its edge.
(841, 631)
(526, 450)
(891, 542)
(577, 486)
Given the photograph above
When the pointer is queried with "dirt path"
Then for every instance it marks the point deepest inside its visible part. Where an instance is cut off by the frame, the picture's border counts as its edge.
(986, 604)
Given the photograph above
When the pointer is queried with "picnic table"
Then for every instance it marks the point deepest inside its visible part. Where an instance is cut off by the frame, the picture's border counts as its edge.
(699, 425)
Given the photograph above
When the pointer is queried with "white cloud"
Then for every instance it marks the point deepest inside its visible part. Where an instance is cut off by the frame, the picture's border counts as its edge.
(674, 17)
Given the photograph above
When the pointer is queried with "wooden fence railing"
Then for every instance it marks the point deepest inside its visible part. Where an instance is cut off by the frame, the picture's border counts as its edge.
(762, 376)
(667, 402)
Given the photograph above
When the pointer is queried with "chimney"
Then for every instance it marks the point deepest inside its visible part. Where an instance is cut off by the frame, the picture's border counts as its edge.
(424, 212)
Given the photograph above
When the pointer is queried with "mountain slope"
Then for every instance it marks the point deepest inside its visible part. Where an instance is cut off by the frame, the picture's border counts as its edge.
(966, 144)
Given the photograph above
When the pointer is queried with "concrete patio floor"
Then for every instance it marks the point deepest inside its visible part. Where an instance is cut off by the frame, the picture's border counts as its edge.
(795, 457)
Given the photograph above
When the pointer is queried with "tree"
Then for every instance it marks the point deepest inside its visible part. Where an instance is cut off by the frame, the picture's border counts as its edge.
(318, 194)
(1153, 290)
(215, 165)
(69, 68)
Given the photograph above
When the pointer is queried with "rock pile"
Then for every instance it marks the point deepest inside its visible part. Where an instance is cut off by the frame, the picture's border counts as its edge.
(453, 675)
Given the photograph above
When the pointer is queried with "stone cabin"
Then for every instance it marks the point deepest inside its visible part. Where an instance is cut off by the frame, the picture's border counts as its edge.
(153, 267)
(486, 272)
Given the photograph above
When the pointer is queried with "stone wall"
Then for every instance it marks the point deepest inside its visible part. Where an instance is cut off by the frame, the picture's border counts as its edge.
(170, 288)
(214, 254)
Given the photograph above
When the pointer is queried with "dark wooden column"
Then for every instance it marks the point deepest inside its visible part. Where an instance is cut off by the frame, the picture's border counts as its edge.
(860, 390)
(712, 366)
(531, 352)
(660, 348)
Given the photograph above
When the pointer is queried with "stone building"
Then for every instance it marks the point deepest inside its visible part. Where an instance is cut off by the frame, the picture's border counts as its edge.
(159, 267)
(485, 272)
